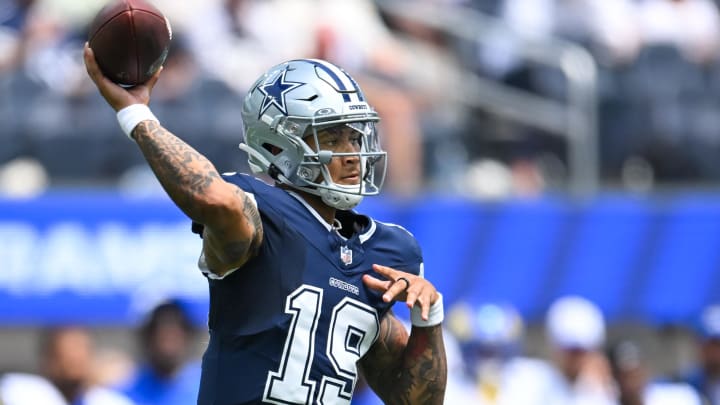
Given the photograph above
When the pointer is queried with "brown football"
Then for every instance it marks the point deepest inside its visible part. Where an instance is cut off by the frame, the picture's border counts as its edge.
(130, 40)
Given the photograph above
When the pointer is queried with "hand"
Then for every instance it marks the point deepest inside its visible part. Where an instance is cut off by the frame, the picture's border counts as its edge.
(402, 286)
(117, 96)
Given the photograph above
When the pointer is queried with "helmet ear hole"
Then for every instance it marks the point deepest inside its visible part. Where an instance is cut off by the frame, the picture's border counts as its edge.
(275, 150)
(309, 173)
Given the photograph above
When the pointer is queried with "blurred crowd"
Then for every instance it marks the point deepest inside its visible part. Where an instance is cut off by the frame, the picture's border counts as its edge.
(71, 370)
(658, 67)
(657, 62)
(578, 361)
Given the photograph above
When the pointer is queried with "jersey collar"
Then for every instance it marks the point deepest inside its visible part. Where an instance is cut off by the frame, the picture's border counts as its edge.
(367, 234)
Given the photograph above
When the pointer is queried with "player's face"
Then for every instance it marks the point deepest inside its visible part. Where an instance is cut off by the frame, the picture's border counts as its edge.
(168, 345)
(710, 355)
(572, 360)
(69, 359)
(341, 139)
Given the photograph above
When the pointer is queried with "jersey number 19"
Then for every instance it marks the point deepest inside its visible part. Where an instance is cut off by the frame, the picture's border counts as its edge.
(353, 329)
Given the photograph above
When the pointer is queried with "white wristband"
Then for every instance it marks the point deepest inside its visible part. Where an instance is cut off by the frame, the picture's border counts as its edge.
(130, 116)
(435, 316)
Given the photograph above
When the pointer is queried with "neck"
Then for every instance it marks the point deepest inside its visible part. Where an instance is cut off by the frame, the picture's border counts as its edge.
(635, 399)
(326, 212)
(70, 390)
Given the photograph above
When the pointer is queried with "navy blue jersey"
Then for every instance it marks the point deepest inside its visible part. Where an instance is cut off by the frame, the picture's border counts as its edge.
(289, 326)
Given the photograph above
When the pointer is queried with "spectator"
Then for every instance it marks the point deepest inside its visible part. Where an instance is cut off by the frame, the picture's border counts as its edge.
(234, 44)
(693, 26)
(13, 16)
(705, 377)
(23, 178)
(607, 27)
(576, 332)
(634, 384)
(166, 375)
(490, 338)
(66, 374)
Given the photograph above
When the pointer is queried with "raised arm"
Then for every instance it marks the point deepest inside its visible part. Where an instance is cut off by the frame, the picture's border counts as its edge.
(404, 369)
(233, 229)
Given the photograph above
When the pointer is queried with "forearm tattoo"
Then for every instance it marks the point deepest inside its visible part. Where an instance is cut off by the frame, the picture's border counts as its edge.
(187, 176)
(183, 172)
(418, 374)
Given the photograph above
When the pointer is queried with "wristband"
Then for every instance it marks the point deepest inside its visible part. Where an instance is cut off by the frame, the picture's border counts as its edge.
(130, 116)
(435, 316)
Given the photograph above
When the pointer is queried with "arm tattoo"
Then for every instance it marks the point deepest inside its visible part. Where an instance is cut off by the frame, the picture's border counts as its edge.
(252, 215)
(190, 180)
(404, 370)
(183, 172)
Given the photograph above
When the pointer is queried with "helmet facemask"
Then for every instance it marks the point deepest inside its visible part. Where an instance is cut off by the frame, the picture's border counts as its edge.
(315, 169)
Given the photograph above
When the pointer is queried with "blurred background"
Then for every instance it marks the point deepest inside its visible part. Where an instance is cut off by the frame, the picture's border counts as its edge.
(538, 150)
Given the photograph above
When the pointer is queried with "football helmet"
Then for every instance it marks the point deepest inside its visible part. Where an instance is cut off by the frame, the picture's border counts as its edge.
(493, 327)
(295, 100)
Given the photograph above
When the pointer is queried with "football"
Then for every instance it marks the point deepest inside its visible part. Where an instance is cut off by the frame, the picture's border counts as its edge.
(130, 40)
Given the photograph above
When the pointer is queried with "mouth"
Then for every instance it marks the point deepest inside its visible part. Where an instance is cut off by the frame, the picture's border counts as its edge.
(351, 179)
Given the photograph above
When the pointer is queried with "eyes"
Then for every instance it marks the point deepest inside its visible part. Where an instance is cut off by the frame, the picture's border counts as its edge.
(335, 139)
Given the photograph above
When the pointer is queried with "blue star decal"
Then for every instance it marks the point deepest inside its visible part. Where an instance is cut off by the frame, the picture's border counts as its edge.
(275, 93)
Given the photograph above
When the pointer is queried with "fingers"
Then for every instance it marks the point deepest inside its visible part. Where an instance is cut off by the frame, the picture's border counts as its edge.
(386, 271)
(396, 290)
(395, 286)
(151, 83)
(422, 297)
(425, 309)
(115, 95)
(143, 91)
(390, 289)
(91, 65)
(387, 287)
(398, 284)
(375, 283)
(93, 69)
(412, 298)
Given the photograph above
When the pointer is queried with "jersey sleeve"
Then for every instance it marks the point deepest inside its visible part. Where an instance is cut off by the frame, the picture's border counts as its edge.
(406, 254)
(243, 181)
(246, 184)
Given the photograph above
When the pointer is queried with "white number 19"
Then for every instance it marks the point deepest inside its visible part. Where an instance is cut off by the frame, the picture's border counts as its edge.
(353, 329)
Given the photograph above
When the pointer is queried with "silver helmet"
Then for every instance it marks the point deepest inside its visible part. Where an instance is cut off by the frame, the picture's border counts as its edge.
(293, 101)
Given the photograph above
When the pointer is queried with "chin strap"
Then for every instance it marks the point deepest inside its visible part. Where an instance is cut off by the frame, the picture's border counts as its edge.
(338, 199)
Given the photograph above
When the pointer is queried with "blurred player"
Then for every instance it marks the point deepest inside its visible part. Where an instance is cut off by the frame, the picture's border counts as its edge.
(490, 337)
(294, 303)
(575, 330)
(497, 371)
(66, 360)
(705, 376)
(167, 375)
(635, 385)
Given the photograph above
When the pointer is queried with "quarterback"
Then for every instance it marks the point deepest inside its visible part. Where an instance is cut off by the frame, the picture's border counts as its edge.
(301, 285)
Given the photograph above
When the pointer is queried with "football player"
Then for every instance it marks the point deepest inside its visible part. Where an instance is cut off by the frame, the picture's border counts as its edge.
(301, 286)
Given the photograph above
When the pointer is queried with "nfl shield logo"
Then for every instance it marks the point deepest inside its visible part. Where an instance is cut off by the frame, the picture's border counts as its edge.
(346, 255)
